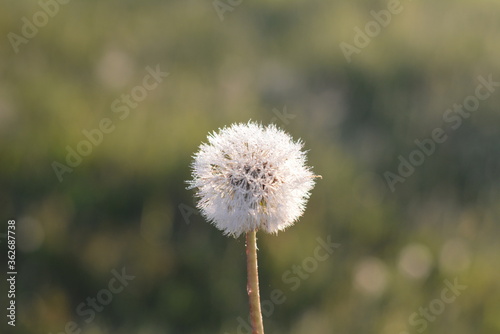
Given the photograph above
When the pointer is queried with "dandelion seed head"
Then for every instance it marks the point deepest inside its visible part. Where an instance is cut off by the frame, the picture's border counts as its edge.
(250, 176)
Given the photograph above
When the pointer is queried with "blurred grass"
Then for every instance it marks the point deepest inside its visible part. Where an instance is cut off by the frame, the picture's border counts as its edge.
(120, 206)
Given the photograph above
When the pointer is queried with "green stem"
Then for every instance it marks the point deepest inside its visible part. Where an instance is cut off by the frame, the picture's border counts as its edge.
(253, 284)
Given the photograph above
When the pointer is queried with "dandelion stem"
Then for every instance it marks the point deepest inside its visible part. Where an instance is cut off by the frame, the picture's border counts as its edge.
(253, 284)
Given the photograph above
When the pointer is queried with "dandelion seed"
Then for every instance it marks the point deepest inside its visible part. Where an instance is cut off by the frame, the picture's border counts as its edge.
(251, 177)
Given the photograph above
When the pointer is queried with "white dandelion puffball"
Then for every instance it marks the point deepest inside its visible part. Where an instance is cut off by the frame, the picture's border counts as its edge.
(250, 177)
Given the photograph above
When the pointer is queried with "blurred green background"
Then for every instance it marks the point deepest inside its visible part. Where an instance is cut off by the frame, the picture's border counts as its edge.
(125, 204)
